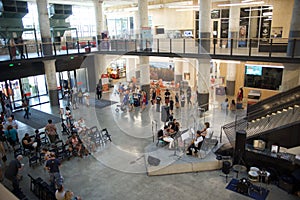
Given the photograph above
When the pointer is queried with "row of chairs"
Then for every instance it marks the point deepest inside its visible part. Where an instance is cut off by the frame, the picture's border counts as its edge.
(41, 189)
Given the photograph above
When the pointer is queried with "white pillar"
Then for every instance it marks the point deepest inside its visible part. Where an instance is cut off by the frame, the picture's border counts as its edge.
(100, 66)
(44, 23)
(234, 24)
(178, 71)
(130, 68)
(50, 71)
(203, 83)
(230, 79)
(99, 20)
(144, 61)
(204, 26)
(136, 24)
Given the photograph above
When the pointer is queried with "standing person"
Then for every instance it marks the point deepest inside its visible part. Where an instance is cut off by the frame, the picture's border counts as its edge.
(189, 95)
(99, 90)
(12, 49)
(224, 106)
(182, 99)
(177, 100)
(20, 44)
(50, 130)
(239, 98)
(2, 149)
(87, 98)
(11, 172)
(232, 106)
(171, 106)
(131, 102)
(60, 193)
(167, 97)
(11, 135)
(26, 110)
(158, 100)
(80, 96)
(153, 96)
(52, 165)
(144, 100)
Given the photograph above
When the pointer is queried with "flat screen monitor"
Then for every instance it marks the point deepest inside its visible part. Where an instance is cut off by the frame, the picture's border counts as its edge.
(254, 70)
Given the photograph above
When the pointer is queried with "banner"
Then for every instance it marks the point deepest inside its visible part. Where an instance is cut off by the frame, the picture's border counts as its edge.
(105, 82)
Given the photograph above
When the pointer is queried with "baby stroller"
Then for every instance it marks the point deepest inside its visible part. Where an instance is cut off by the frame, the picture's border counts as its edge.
(122, 107)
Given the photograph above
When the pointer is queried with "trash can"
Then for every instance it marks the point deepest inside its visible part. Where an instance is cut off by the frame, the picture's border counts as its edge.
(87, 49)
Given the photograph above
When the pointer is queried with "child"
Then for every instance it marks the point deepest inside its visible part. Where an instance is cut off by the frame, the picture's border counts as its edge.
(224, 106)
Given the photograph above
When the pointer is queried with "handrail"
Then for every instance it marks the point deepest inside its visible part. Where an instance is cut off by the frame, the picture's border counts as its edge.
(164, 46)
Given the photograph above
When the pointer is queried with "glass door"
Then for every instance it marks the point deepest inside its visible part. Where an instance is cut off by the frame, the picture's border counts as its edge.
(15, 94)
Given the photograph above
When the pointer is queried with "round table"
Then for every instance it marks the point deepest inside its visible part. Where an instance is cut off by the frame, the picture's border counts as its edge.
(238, 169)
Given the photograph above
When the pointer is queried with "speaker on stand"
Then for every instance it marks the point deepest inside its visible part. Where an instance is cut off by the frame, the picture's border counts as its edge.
(239, 151)
(165, 114)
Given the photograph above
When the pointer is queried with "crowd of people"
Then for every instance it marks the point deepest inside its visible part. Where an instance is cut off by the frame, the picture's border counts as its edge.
(172, 97)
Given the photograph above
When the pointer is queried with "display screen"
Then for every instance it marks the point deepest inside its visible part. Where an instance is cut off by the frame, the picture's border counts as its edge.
(253, 70)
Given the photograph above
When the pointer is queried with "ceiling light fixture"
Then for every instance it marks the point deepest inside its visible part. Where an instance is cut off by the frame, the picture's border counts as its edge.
(241, 4)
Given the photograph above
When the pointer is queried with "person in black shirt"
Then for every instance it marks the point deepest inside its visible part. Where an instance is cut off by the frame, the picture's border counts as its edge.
(52, 165)
(158, 100)
(171, 106)
(167, 97)
(27, 142)
(11, 172)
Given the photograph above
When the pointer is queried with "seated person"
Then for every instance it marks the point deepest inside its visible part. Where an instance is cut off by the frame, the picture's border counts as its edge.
(167, 136)
(74, 144)
(80, 125)
(27, 143)
(195, 144)
(206, 132)
(87, 141)
(172, 126)
(37, 138)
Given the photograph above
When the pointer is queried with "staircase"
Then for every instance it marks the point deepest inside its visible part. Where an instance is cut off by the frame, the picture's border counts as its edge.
(275, 115)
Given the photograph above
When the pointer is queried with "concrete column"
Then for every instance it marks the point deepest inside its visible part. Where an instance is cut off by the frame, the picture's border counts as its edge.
(294, 31)
(136, 25)
(230, 79)
(50, 71)
(42, 7)
(130, 68)
(204, 26)
(145, 74)
(99, 20)
(100, 66)
(178, 71)
(144, 61)
(203, 81)
(234, 24)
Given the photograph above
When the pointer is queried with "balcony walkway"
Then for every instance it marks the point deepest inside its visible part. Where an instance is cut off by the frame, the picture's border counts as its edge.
(185, 48)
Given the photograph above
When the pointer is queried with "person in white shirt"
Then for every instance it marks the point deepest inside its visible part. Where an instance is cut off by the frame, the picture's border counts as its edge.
(195, 144)
(167, 138)
(60, 193)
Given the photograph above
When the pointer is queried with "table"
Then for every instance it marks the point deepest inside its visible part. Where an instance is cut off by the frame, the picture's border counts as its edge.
(238, 169)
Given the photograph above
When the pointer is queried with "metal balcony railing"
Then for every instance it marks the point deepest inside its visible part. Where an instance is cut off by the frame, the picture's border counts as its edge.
(259, 48)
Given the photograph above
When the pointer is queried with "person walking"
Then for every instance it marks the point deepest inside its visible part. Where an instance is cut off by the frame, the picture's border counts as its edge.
(11, 172)
(99, 91)
(52, 165)
(51, 131)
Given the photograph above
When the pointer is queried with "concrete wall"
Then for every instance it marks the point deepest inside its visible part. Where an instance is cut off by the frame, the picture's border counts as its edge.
(170, 19)
(282, 15)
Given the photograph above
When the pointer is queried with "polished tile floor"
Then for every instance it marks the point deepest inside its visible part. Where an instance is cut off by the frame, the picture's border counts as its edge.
(117, 170)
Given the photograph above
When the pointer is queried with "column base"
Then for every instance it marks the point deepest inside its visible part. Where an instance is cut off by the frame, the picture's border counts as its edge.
(53, 96)
(230, 88)
(146, 88)
(203, 100)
